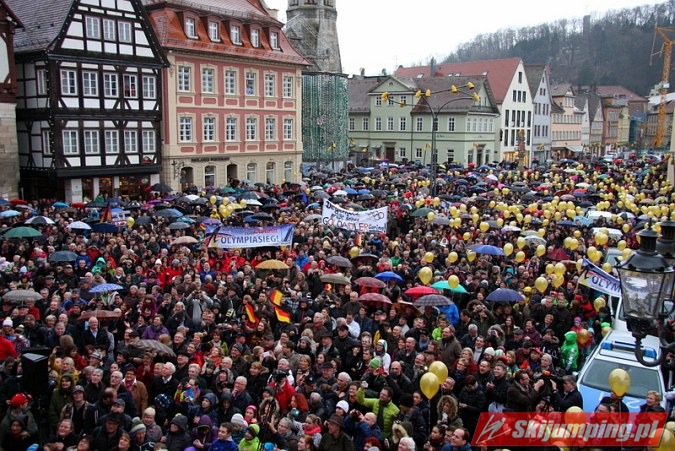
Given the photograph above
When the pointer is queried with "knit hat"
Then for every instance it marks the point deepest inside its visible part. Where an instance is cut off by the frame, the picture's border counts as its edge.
(336, 419)
(8, 322)
(343, 405)
(238, 418)
(375, 363)
(253, 429)
(137, 425)
(18, 399)
(489, 351)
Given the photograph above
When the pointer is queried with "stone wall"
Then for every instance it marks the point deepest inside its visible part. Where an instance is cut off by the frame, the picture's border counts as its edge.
(9, 152)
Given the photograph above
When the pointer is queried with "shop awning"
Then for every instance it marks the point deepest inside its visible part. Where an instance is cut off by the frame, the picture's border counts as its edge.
(575, 149)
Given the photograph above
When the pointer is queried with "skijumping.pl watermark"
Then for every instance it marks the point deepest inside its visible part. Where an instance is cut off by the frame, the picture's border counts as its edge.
(569, 429)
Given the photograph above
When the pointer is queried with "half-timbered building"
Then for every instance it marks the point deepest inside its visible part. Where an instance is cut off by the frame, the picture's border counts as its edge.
(89, 103)
(9, 155)
(232, 93)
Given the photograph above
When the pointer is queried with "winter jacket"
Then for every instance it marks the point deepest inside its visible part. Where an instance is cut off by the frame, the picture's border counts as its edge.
(389, 414)
(180, 440)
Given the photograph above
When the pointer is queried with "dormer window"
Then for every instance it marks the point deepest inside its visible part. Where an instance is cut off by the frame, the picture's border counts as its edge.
(235, 34)
(190, 28)
(255, 37)
(214, 31)
(274, 40)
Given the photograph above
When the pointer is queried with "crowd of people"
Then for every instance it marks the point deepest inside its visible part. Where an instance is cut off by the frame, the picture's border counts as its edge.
(189, 351)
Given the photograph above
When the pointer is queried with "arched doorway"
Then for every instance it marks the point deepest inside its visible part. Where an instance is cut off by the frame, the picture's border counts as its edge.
(186, 178)
(232, 173)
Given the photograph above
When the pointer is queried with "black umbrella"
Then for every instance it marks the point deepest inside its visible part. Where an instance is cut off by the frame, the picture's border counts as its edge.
(63, 256)
(143, 220)
(263, 216)
(161, 187)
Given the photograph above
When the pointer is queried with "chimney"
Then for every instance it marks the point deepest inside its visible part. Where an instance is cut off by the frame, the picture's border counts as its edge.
(362, 71)
(432, 67)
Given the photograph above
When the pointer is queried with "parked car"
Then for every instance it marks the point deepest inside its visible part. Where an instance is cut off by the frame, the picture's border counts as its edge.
(617, 351)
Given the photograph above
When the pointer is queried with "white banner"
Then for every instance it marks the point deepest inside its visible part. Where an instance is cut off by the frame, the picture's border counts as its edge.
(241, 237)
(374, 221)
(597, 279)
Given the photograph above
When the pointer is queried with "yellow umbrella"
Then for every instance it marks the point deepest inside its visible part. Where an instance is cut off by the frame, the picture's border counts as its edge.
(272, 264)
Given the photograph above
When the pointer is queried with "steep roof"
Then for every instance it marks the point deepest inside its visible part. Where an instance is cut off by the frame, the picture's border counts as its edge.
(42, 21)
(358, 88)
(620, 91)
(534, 73)
(499, 72)
(561, 89)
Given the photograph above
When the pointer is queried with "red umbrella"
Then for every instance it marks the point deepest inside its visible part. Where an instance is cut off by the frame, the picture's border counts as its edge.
(18, 202)
(78, 205)
(374, 297)
(420, 291)
(370, 282)
(558, 254)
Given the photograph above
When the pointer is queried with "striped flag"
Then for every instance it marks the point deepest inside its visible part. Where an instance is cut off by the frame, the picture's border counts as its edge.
(250, 313)
(276, 296)
(107, 213)
(358, 241)
(282, 315)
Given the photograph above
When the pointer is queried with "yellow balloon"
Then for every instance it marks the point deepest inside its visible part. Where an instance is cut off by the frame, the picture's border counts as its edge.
(574, 244)
(550, 269)
(520, 256)
(541, 250)
(225, 201)
(471, 256)
(577, 234)
(559, 269)
(484, 226)
(670, 426)
(453, 282)
(466, 236)
(625, 228)
(429, 384)
(436, 202)
(541, 232)
(591, 250)
(600, 238)
(130, 222)
(425, 275)
(580, 264)
(452, 257)
(430, 216)
(606, 330)
(500, 221)
(557, 280)
(213, 200)
(354, 252)
(508, 249)
(243, 203)
(520, 242)
(621, 245)
(440, 370)
(541, 284)
(626, 253)
(599, 303)
(619, 381)
(667, 442)
(429, 257)
(607, 267)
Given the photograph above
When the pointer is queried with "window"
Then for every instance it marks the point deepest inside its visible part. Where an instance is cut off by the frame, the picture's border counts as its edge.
(112, 144)
(250, 83)
(230, 129)
(149, 87)
(41, 80)
(230, 82)
(70, 142)
(91, 145)
(185, 129)
(288, 171)
(210, 175)
(124, 31)
(288, 87)
(390, 124)
(131, 141)
(214, 31)
(255, 37)
(418, 153)
(110, 88)
(251, 129)
(451, 124)
(403, 123)
(401, 152)
(274, 40)
(352, 123)
(378, 101)
(451, 155)
(251, 171)
(209, 129)
(89, 84)
(288, 128)
(365, 123)
(235, 34)
(269, 85)
(190, 28)
(208, 78)
(93, 25)
(403, 100)
(270, 126)
(130, 86)
(109, 30)
(378, 124)
(419, 124)
(46, 143)
(270, 169)
(149, 141)
(184, 84)
(68, 82)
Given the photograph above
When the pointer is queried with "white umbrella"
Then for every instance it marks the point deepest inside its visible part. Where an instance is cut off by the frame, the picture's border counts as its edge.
(253, 202)
(340, 193)
(78, 225)
(510, 228)
(535, 239)
(491, 177)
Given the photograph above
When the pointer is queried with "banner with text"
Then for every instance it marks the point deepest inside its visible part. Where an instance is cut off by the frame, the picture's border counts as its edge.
(244, 237)
(597, 279)
(374, 221)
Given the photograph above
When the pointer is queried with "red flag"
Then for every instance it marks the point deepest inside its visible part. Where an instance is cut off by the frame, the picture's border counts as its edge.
(250, 313)
(276, 296)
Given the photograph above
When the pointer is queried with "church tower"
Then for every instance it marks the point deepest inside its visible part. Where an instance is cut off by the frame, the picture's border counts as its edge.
(311, 26)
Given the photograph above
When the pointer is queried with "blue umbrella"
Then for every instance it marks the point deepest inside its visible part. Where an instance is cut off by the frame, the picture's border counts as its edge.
(444, 285)
(104, 227)
(388, 275)
(106, 287)
(487, 249)
(351, 191)
(568, 224)
(363, 191)
(504, 295)
(9, 214)
(60, 205)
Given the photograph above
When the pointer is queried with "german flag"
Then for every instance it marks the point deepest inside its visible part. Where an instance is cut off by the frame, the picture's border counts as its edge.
(276, 296)
(107, 213)
(358, 241)
(282, 315)
(250, 313)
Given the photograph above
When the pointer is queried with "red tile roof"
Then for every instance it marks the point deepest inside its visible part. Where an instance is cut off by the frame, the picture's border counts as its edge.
(500, 72)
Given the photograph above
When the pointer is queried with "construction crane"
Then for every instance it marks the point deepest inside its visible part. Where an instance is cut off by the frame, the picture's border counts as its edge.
(664, 85)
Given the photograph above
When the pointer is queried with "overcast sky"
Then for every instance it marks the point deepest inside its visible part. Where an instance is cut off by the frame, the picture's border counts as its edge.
(382, 34)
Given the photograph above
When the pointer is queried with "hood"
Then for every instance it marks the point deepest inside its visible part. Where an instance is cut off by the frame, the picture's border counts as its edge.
(383, 343)
(181, 421)
(212, 398)
(205, 420)
(570, 337)
(100, 261)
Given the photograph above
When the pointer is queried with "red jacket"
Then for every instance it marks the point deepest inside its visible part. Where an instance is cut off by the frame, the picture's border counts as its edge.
(7, 349)
(284, 395)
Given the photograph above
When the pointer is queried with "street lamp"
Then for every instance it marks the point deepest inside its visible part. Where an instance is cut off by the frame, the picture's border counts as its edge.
(424, 98)
(646, 283)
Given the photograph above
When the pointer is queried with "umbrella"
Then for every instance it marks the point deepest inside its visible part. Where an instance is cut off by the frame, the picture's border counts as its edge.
(154, 347)
(444, 285)
(557, 254)
(440, 220)
(312, 217)
(510, 228)
(22, 232)
(261, 216)
(169, 213)
(568, 224)
(420, 290)
(366, 258)
(529, 233)
(374, 297)
(272, 264)
(78, 225)
(161, 187)
(21, 295)
(487, 249)
(388, 275)
(143, 220)
(185, 240)
(432, 300)
(9, 214)
(60, 205)
(179, 225)
(421, 212)
(100, 314)
(63, 256)
(105, 287)
(339, 261)
(504, 295)
(336, 279)
(535, 239)
(370, 282)
(104, 227)
(39, 220)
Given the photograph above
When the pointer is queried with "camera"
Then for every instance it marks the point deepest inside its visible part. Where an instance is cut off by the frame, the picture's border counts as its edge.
(547, 377)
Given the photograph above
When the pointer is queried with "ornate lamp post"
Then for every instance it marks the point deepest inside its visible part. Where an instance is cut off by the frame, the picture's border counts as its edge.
(423, 98)
(647, 279)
